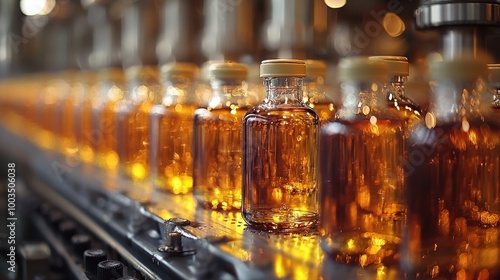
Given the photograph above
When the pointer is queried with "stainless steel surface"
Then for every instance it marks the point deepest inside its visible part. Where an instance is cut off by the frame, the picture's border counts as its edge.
(140, 29)
(445, 13)
(226, 35)
(464, 24)
(180, 25)
(463, 40)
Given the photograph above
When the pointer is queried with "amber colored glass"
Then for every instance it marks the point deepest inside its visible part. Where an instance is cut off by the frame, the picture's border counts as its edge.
(280, 153)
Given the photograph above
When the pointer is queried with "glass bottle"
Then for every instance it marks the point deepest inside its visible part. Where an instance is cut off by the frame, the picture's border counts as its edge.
(280, 145)
(86, 135)
(494, 81)
(111, 90)
(453, 178)
(65, 114)
(315, 94)
(394, 88)
(171, 131)
(144, 90)
(362, 202)
(217, 138)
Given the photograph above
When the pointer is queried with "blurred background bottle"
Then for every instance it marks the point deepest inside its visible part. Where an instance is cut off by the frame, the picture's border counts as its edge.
(217, 138)
(362, 206)
(494, 83)
(453, 190)
(315, 93)
(172, 129)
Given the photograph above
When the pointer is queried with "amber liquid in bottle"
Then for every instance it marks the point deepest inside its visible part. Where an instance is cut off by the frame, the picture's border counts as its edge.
(84, 135)
(174, 150)
(280, 167)
(105, 120)
(325, 111)
(218, 169)
(68, 122)
(362, 199)
(454, 185)
(316, 98)
(133, 149)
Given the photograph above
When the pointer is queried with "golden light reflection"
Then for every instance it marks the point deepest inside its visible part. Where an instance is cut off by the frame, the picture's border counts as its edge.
(430, 120)
(110, 160)
(393, 24)
(335, 4)
(37, 7)
(138, 171)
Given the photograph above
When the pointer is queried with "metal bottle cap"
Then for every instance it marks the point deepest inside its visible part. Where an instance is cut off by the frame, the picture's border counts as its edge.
(228, 70)
(397, 65)
(315, 68)
(283, 68)
(457, 70)
(362, 69)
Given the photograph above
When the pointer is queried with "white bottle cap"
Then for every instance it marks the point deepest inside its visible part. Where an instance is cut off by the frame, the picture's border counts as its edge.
(315, 68)
(494, 73)
(467, 69)
(228, 70)
(398, 65)
(362, 69)
(142, 72)
(283, 68)
(188, 70)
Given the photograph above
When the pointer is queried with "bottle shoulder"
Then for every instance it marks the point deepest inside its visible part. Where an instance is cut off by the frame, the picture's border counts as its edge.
(364, 125)
(468, 133)
(265, 109)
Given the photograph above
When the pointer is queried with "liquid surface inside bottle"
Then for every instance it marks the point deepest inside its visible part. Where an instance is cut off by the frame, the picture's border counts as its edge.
(217, 162)
(454, 185)
(280, 167)
(173, 167)
(401, 105)
(362, 199)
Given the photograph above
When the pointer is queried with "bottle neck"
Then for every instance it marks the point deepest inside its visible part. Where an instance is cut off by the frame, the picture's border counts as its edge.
(496, 96)
(361, 98)
(228, 93)
(314, 90)
(143, 85)
(284, 90)
(396, 87)
(178, 90)
(455, 100)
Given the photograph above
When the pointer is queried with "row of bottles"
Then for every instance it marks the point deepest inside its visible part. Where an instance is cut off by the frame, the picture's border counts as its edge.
(388, 184)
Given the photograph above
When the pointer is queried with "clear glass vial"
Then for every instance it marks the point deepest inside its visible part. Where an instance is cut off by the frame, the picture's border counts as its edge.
(171, 131)
(453, 179)
(217, 138)
(362, 200)
(280, 152)
(315, 91)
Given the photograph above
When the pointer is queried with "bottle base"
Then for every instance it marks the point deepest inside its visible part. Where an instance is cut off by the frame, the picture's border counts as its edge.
(280, 220)
(363, 249)
(181, 184)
